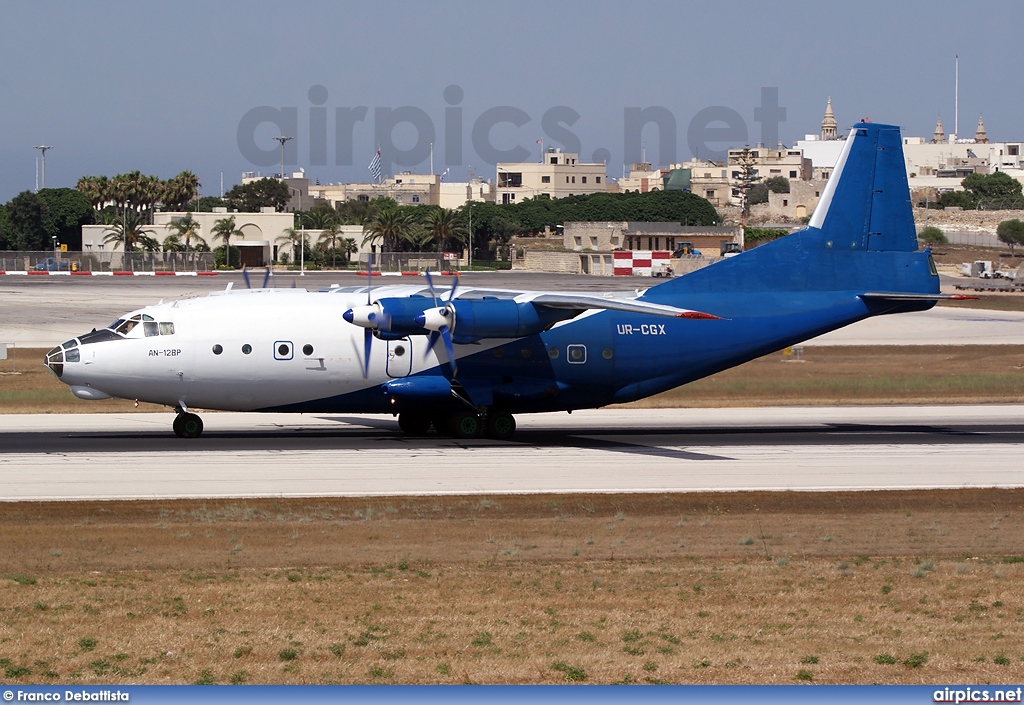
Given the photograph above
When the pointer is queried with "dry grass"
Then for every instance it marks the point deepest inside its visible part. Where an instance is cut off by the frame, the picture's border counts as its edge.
(884, 587)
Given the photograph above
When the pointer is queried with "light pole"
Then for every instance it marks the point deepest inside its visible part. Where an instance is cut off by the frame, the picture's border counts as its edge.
(471, 236)
(54, 238)
(282, 140)
(42, 148)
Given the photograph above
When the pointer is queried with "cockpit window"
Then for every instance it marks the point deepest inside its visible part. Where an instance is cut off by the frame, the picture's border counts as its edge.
(166, 328)
(126, 326)
(115, 324)
(151, 328)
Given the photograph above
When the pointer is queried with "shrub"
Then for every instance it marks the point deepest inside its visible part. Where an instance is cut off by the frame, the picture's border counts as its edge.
(932, 236)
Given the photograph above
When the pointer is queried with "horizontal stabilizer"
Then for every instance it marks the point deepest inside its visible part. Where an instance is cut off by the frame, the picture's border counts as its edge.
(582, 303)
(894, 296)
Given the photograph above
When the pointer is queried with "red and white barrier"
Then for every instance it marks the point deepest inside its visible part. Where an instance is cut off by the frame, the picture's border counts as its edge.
(45, 273)
(639, 263)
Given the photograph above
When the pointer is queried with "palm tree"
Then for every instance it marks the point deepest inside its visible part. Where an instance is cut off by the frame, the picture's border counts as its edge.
(330, 234)
(127, 231)
(293, 237)
(186, 229)
(443, 226)
(224, 229)
(390, 226)
(180, 190)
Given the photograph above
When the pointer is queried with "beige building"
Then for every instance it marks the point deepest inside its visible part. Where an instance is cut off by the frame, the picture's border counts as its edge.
(613, 235)
(799, 203)
(411, 190)
(260, 233)
(709, 180)
(788, 163)
(559, 175)
(642, 179)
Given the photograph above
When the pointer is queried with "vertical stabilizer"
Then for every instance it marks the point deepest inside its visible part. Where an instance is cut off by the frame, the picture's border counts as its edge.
(866, 203)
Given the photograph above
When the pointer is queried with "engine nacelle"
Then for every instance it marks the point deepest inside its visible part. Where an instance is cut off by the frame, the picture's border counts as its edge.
(473, 319)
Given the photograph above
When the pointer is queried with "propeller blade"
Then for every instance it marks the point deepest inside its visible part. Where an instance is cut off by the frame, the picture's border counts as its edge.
(446, 336)
(367, 343)
(266, 278)
(245, 276)
(431, 342)
(430, 285)
(369, 277)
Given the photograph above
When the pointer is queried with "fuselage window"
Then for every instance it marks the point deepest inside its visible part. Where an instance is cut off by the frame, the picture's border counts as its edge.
(307, 349)
(151, 328)
(166, 328)
(217, 349)
(246, 349)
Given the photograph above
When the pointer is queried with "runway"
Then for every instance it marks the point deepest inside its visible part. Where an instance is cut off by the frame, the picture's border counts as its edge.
(135, 456)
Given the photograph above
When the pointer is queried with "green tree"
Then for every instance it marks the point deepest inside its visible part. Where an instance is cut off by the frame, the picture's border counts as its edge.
(295, 238)
(777, 184)
(262, 193)
(330, 234)
(65, 211)
(992, 186)
(1011, 232)
(932, 236)
(747, 175)
(181, 190)
(393, 227)
(5, 229)
(26, 213)
(128, 230)
(186, 229)
(224, 229)
(957, 199)
(443, 226)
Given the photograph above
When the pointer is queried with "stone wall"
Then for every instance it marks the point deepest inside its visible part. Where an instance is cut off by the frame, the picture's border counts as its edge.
(555, 262)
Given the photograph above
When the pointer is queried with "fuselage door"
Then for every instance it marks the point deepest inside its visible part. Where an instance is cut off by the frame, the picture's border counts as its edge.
(399, 362)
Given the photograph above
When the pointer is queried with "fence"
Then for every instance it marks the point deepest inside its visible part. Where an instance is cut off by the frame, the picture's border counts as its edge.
(107, 261)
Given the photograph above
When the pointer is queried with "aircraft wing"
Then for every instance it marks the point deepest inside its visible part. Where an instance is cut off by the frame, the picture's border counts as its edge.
(583, 302)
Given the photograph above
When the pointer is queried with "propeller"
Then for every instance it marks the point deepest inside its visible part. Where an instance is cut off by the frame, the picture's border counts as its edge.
(248, 284)
(367, 317)
(439, 321)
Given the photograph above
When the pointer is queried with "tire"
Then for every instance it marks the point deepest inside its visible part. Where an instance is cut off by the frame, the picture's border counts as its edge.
(500, 426)
(465, 424)
(190, 425)
(177, 426)
(414, 424)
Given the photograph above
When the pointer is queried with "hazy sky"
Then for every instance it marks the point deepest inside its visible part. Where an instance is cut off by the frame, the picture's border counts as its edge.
(163, 87)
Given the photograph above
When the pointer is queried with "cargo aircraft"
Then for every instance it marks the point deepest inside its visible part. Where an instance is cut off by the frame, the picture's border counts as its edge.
(465, 360)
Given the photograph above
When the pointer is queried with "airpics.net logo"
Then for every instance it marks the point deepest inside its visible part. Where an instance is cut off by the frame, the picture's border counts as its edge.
(709, 132)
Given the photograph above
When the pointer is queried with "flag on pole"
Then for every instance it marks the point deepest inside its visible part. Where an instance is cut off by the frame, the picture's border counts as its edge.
(375, 166)
(447, 169)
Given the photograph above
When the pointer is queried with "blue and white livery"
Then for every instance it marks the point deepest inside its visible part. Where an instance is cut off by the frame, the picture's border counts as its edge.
(465, 360)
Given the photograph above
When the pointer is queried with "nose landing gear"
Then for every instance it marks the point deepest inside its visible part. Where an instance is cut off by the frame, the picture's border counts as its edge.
(187, 424)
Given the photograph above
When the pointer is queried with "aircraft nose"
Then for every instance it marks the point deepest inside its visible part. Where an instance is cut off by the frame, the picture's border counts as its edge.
(58, 356)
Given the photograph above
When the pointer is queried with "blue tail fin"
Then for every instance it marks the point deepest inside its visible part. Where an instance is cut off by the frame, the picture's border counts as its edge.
(861, 236)
(866, 203)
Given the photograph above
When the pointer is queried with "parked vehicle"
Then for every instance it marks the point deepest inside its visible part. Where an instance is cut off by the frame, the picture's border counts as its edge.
(730, 249)
(686, 249)
(56, 265)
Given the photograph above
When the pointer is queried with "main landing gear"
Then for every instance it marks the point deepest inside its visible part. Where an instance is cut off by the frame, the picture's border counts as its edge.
(187, 424)
(459, 424)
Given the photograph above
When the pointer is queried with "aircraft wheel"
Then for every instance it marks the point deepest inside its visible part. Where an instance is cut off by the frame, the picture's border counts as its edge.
(500, 426)
(414, 424)
(188, 426)
(465, 424)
